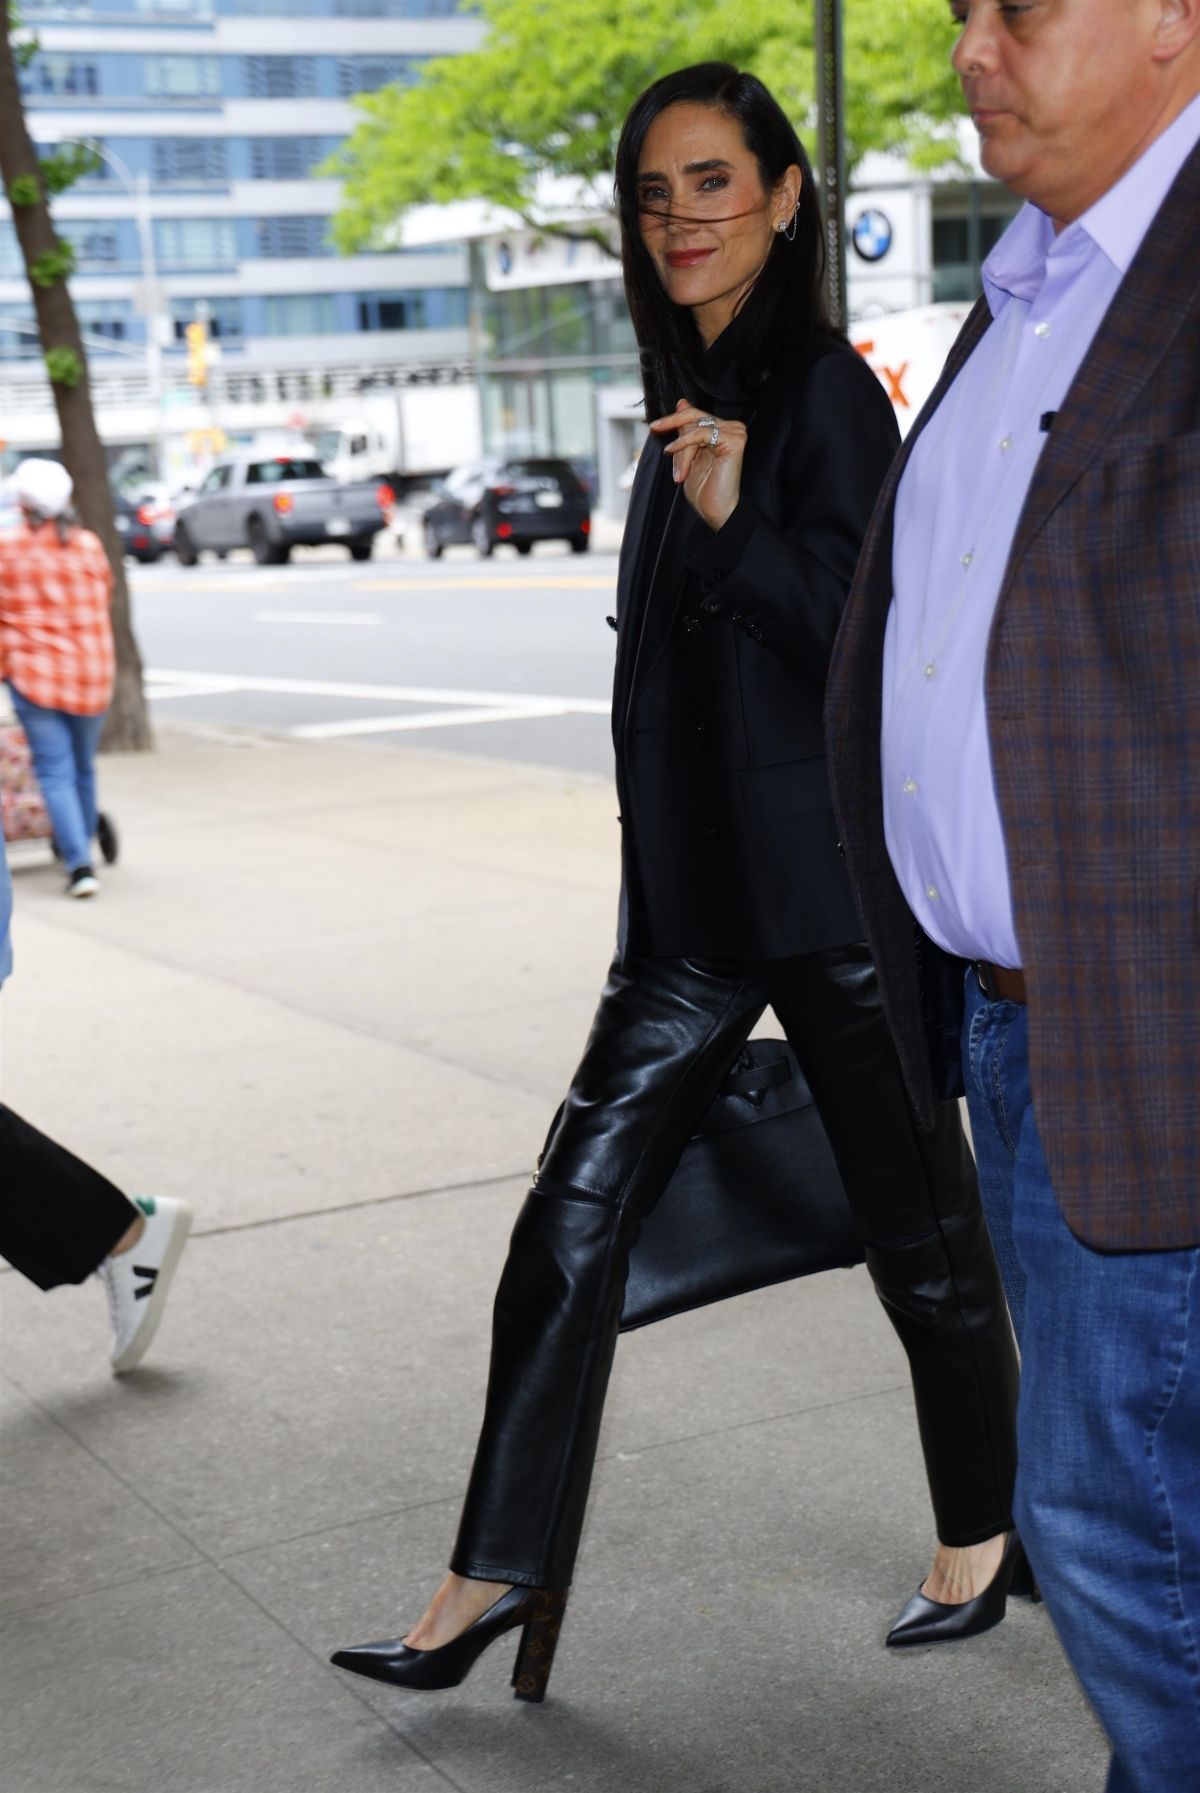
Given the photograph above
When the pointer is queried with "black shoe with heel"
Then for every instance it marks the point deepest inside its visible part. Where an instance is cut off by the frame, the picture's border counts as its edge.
(538, 1610)
(926, 1621)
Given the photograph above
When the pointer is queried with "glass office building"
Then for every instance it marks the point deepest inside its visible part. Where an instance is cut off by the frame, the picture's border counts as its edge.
(213, 118)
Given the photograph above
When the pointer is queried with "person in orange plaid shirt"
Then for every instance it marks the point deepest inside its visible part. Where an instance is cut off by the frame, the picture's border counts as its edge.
(56, 652)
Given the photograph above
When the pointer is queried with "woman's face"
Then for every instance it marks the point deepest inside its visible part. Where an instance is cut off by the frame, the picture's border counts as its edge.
(705, 215)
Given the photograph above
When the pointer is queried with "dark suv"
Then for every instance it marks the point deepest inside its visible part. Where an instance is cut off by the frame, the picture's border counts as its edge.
(521, 501)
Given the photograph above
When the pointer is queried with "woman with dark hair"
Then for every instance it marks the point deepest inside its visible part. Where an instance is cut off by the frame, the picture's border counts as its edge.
(769, 440)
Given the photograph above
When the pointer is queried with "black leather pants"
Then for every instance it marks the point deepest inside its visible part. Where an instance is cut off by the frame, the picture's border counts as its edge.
(664, 1036)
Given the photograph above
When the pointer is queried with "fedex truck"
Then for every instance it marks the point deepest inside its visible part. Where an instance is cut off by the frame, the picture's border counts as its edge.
(907, 350)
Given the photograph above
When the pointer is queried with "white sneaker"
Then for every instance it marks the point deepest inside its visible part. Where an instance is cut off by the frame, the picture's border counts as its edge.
(137, 1280)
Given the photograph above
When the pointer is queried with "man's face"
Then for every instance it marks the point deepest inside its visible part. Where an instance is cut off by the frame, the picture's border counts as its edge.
(1064, 93)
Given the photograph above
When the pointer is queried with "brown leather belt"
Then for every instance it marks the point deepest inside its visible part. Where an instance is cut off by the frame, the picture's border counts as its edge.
(999, 983)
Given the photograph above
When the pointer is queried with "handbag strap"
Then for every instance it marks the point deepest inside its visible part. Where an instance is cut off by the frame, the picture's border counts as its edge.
(757, 1078)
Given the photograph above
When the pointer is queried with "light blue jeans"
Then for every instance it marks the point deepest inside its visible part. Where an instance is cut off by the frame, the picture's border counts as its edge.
(1108, 1428)
(64, 758)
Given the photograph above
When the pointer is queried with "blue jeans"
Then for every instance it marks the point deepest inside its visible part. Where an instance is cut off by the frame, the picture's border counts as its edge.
(1108, 1428)
(64, 758)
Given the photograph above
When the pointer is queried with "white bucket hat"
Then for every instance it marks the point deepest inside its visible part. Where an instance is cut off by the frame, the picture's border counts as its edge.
(42, 486)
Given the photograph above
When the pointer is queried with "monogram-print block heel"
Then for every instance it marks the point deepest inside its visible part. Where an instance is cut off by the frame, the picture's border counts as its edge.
(535, 1658)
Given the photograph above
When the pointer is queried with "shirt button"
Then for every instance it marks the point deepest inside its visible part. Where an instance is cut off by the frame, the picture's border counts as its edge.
(931, 891)
(1004, 444)
(968, 557)
(910, 787)
(1042, 330)
(930, 670)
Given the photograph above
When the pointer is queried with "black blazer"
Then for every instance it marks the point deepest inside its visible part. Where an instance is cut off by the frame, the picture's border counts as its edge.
(730, 848)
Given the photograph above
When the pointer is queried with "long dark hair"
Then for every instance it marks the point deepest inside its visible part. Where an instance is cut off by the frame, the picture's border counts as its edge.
(787, 301)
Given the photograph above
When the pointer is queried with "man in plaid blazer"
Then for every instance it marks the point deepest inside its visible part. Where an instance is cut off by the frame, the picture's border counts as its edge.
(1013, 714)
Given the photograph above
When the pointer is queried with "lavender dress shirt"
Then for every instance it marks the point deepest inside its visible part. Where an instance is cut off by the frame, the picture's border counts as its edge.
(957, 511)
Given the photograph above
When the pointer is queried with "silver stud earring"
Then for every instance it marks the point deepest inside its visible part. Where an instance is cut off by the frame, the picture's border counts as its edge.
(788, 227)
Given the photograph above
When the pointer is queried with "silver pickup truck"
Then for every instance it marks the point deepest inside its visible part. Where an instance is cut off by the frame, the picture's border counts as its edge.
(273, 503)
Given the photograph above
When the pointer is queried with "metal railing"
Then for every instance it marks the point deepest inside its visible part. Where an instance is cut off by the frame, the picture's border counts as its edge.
(24, 386)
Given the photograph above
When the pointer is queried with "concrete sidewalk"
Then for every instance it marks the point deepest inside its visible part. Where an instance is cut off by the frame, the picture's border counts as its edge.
(332, 996)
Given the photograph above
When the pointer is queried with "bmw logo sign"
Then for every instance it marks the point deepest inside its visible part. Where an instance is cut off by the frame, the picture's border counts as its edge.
(872, 234)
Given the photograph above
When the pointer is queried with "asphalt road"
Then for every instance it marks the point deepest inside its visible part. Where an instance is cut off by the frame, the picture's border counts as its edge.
(507, 658)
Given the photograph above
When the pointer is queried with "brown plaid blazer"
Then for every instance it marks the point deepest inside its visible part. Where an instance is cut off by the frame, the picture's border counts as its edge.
(1093, 696)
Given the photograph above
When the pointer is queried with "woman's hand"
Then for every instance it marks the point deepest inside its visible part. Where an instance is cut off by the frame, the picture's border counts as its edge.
(709, 471)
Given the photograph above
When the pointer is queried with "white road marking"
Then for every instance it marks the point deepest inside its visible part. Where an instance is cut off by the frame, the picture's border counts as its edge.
(391, 725)
(568, 582)
(358, 619)
(161, 687)
(457, 709)
(419, 582)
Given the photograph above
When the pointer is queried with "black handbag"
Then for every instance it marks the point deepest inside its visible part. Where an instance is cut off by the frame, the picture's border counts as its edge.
(755, 1199)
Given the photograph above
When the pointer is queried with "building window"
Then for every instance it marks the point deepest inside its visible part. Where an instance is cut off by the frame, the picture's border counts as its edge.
(101, 172)
(964, 234)
(107, 318)
(366, 74)
(398, 9)
(391, 311)
(195, 242)
(291, 236)
(223, 317)
(190, 161)
(279, 77)
(95, 245)
(60, 77)
(271, 9)
(284, 158)
(18, 333)
(182, 77)
(299, 314)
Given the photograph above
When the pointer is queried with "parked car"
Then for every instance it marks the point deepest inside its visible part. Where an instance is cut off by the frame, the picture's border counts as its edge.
(521, 501)
(272, 503)
(145, 517)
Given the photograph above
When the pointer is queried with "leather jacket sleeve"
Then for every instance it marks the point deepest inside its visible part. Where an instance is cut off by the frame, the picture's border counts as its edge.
(783, 578)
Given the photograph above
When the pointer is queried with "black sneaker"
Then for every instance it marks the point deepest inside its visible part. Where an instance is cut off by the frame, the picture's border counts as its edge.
(83, 882)
(107, 838)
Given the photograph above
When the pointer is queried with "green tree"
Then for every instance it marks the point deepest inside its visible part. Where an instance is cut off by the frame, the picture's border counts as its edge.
(29, 184)
(547, 90)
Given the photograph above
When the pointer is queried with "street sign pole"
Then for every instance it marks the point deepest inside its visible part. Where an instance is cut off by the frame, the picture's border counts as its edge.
(831, 153)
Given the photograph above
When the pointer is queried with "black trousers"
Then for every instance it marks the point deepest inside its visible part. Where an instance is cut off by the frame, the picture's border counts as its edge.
(58, 1216)
(665, 1034)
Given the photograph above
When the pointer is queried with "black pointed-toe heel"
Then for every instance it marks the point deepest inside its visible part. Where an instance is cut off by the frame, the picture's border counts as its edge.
(1024, 1582)
(538, 1610)
(926, 1621)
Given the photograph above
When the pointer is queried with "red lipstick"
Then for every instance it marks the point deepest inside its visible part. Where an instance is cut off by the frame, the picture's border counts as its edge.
(687, 258)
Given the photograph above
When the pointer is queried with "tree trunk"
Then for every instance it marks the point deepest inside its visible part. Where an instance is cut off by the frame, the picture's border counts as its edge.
(128, 727)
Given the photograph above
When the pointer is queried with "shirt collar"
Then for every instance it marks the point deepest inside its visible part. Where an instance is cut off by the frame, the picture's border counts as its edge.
(1116, 224)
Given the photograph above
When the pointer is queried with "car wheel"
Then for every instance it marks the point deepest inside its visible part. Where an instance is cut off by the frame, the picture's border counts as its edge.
(433, 542)
(221, 553)
(481, 538)
(361, 550)
(256, 536)
(580, 544)
(265, 552)
(185, 548)
(523, 547)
